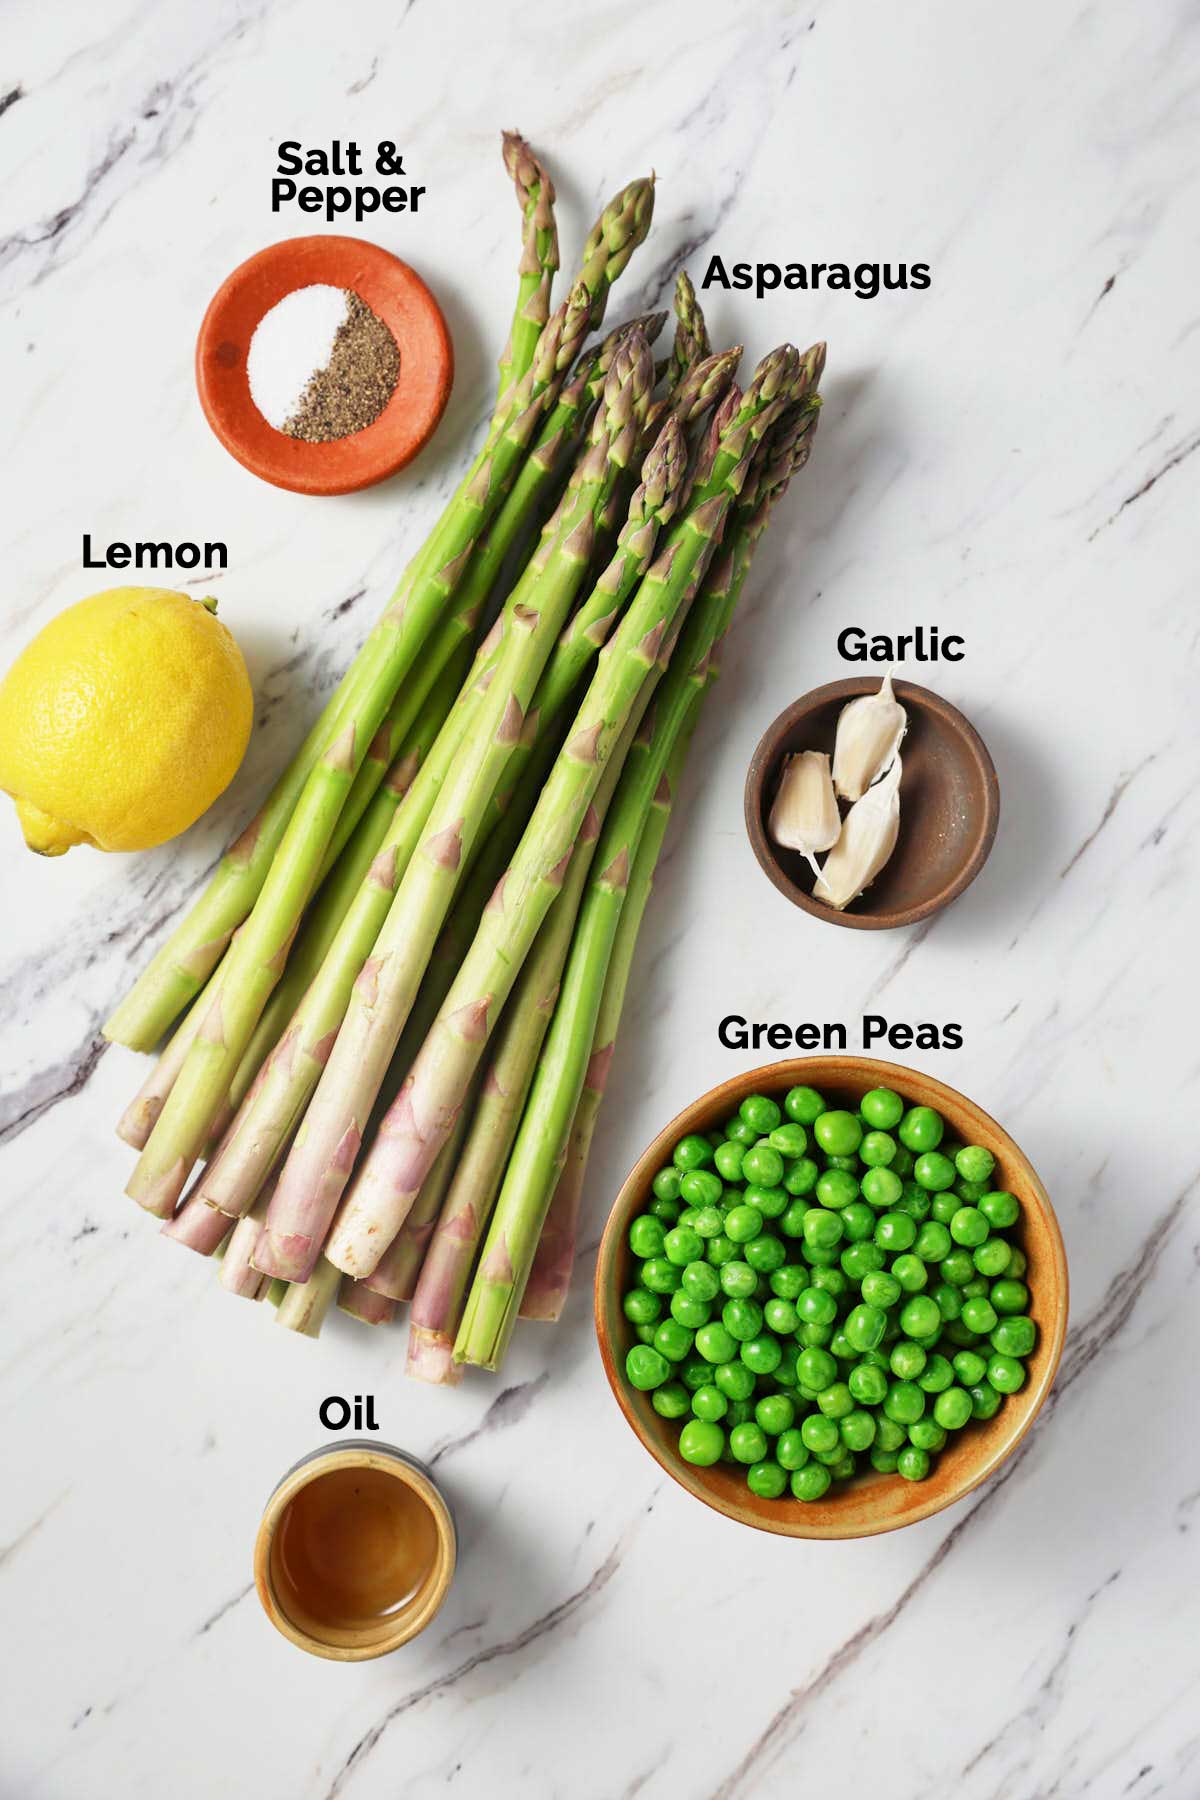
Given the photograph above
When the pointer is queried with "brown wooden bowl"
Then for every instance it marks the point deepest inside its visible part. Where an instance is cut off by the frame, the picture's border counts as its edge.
(949, 805)
(872, 1502)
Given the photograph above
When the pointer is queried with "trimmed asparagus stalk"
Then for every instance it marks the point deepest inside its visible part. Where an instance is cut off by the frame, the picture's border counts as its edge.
(138, 1120)
(181, 967)
(197, 1227)
(539, 1152)
(416, 1126)
(446, 1270)
(539, 259)
(323, 1154)
(364, 1304)
(237, 1273)
(304, 1306)
(400, 1265)
(256, 959)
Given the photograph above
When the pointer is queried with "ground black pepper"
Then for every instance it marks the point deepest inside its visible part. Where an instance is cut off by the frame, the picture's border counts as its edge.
(355, 385)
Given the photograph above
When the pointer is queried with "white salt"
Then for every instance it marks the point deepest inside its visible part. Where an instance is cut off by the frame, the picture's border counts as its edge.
(289, 344)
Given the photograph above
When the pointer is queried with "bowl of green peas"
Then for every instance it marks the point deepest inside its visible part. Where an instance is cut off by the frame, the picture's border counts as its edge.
(831, 1297)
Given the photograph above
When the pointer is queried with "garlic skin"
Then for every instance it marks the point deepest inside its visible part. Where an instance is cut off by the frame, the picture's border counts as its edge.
(868, 839)
(869, 731)
(805, 815)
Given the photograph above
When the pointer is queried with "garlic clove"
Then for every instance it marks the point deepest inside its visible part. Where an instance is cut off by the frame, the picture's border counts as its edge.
(869, 731)
(805, 814)
(868, 838)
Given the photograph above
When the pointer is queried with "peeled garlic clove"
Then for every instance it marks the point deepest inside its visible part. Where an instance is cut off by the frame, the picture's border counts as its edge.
(805, 815)
(868, 839)
(869, 730)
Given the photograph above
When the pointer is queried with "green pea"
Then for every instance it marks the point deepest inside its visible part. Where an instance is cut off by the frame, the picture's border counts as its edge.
(816, 1369)
(1001, 1210)
(835, 1189)
(694, 1372)
(720, 1250)
(762, 1354)
(1005, 1373)
(790, 1139)
(660, 1275)
(738, 1280)
(760, 1112)
(687, 1218)
(881, 1108)
(687, 1311)
(836, 1400)
(701, 1443)
(860, 1260)
(715, 1343)
(811, 1482)
(822, 1230)
(819, 1434)
(985, 1401)
(743, 1223)
(838, 1133)
(937, 1375)
(708, 1221)
(646, 1236)
(895, 1231)
(849, 1165)
(841, 1347)
(882, 1187)
(907, 1359)
(820, 1258)
(969, 1227)
(1018, 1265)
(858, 1222)
(767, 1480)
(738, 1132)
(878, 1149)
(804, 1105)
(693, 1152)
(883, 1460)
(665, 1210)
(709, 1403)
(791, 1452)
(742, 1319)
(913, 1463)
(933, 1242)
(915, 1202)
(791, 1222)
(646, 1368)
(785, 1374)
(763, 1165)
(775, 1413)
(889, 1435)
(843, 1468)
(772, 1202)
(701, 1282)
(927, 1434)
(952, 1409)
(949, 1300)
(832, 1281)
(802, 1177)
(673, 1340)
(641, 1307)
(904, 1403)
(789, 1280)
(666, 1184)
(683, 1245)
(865, 1326)
(910, 1272)
(920, 1318)
(957, 1268)
(970, 1193)
(955, 1332)
(979, 1315)
(921, 1129)
(814, 1337)
(734, 1379)
(645, 1333)
(671, 1401)
(944, 1208)
(881, 1289)
(934, 1171)
(1014, 1335)
(974, 1163)
(728, 1159)
(765, 1254)
(970, 1367)
(781, 1317)
(867, 1384)
(992, 1257)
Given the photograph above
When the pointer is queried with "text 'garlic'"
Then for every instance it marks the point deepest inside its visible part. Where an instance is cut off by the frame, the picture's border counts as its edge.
(805, 815)
(868, 839)
(869, 731)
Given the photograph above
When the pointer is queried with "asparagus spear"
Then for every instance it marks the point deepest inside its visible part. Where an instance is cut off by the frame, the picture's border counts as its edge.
(364, 1304)
(237, 1273)
(376, 1007)
(180, 968)
(256, 959)
(691, 343)
(304, 1306)
(400, 1265)
(196, 1227)
(446, 1270)
(540, 1151)
(539, 258)
(416, 1126)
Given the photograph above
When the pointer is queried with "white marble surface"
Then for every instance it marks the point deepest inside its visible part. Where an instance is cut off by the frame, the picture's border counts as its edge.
(1007, 454)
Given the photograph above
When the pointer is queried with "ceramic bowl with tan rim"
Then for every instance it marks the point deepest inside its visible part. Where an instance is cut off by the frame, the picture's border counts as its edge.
(871, 1502)
(355, 1552)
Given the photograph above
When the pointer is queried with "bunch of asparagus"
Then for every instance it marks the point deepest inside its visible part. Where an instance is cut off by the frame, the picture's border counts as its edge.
(392, 1012)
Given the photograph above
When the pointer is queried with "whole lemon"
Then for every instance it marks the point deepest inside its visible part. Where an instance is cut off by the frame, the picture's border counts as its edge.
(122, 721)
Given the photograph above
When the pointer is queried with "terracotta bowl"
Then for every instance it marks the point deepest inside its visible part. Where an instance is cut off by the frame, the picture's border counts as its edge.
(395, 293)
(949, 805)
(872, 1502)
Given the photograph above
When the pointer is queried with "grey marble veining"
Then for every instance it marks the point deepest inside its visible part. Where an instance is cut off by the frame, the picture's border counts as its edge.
(1011, 454)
